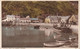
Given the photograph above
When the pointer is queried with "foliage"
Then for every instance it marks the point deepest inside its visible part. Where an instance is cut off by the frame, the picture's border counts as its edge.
(35, 8)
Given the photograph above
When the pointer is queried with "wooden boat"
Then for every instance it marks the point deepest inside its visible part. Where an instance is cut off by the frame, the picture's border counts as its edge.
(54, 44)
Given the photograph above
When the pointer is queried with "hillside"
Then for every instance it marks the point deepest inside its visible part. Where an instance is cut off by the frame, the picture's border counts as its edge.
(36, 8)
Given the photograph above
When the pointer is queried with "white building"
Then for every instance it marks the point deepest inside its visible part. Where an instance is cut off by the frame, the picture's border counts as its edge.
(28, 17)
(9, 18)
(57, 19)
(24, 20)
(17, 18)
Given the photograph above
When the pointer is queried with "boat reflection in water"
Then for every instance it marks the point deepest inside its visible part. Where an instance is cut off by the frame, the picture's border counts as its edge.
(27, 36)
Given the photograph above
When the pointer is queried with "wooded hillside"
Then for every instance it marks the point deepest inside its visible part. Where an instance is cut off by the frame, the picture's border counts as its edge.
(36, 8)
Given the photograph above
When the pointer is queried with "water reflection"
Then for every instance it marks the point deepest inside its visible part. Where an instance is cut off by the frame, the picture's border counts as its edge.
(17, 35)
(26, 36)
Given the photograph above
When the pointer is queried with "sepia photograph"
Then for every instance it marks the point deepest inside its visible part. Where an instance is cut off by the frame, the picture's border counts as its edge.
(50, 24)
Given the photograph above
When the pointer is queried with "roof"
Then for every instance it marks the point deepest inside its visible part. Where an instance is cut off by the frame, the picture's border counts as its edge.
(10, 15)
(33, 18)
(65, 17)
(56, 17)
(73, 18)
(53, 18)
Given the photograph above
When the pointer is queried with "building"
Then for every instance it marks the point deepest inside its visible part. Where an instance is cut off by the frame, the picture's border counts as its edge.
(24, 20)
(53, 19)
(58, 19)
(47, 20)
(17, 19)
(28, 17)
(64, 18)
(9, 18)
(34, 20)
(73, 19)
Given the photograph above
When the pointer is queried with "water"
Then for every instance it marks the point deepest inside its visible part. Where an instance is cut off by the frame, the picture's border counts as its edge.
(27, 36)
(22, 36)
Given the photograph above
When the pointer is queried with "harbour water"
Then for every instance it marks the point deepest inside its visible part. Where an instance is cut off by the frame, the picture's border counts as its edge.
(27, 36)
(22, 36)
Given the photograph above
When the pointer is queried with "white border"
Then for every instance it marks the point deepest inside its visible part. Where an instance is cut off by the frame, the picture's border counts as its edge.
(40, 48)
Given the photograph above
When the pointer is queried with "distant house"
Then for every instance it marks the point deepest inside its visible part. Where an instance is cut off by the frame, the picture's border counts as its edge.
(24, 20)
(73, 19)
(10, 18)
(47, 20)
(28, 17)
(34, 20)
(53, 19)
(17, 18)
(58, 19)
(64, 18)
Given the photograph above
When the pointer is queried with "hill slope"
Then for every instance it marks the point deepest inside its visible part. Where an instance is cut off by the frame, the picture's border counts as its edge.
(35, 8)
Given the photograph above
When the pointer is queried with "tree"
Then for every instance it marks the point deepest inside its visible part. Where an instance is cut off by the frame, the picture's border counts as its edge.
(35, 8)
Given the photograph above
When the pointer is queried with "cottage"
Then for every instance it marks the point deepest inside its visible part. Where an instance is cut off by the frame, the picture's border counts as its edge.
(54, 19)
(47, 20)
(17, 18)
(10, 18)
(64, 18)
(34, 20)
(58, 19)
(24, 20)
(28, 17)
(73, 19)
